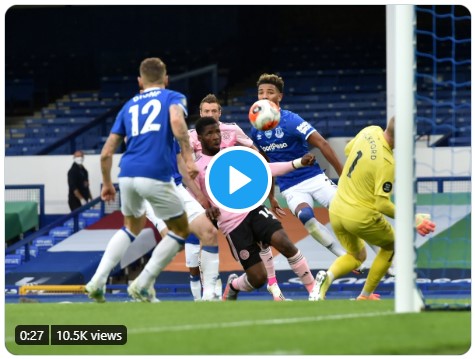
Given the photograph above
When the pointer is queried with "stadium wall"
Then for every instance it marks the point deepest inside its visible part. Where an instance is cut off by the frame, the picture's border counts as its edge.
(52, 170)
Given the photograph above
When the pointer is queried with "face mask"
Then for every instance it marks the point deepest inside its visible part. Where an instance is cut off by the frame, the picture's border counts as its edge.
(79, 160)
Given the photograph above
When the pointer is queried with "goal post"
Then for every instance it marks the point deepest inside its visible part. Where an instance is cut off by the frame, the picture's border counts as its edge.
(400, 102)
(428, 93)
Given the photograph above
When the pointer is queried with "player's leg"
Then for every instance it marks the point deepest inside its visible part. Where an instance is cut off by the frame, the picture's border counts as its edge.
(381, 233)
(300, 201)
(254, 277)
(272, 284)
(297, 262)
(133, 209)
(269, 231)
(192, 258)
(168, 205)
(246, 250)
(207, 233)
(356, 254)
(391, 270)
(208, 236)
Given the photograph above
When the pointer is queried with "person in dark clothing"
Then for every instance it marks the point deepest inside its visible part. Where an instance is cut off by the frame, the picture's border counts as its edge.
(78, 182)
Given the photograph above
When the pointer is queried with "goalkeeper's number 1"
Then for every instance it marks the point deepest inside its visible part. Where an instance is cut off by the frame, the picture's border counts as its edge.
(359, 154)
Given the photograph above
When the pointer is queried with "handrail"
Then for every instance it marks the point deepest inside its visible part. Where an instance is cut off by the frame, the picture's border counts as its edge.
(42, 231)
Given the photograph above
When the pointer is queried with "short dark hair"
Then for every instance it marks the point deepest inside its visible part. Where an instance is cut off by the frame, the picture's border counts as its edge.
(271, 79)
(210, 98)
(202, 123)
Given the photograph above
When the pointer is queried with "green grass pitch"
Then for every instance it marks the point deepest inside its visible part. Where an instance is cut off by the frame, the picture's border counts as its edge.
(249, 328)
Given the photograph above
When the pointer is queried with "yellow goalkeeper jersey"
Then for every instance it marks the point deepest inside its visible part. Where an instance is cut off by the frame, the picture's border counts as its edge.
(368, 172)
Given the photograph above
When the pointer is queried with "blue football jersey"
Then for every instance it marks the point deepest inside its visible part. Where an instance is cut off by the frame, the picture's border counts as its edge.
(145, 121)
(287, 142)
(176, 175)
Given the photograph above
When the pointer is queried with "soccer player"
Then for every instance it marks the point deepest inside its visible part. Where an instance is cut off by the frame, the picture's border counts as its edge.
(248, 232)
(358, 210)
(289, 140)
(231, 135)
(202, 230)
(150, 121)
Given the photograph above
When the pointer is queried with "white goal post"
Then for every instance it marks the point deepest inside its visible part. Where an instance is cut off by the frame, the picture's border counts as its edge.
(400, 55)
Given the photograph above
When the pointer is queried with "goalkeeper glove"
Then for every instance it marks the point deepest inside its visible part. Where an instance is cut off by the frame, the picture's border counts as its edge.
(424, 225)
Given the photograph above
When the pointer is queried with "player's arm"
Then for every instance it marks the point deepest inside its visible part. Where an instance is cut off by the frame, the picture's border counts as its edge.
(317, 140)
(180, 131)
(274, 204)
(112, 144)
(190, 184)
(384, 205)
(243, 139)
(282, 168)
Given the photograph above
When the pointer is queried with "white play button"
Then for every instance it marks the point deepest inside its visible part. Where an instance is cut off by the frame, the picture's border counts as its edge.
(237, 180)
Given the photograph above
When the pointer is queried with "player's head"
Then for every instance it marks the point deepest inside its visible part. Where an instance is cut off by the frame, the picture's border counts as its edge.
(389, 132)
(153, 72)
(209, 135)
(210, 107)
(270, 87)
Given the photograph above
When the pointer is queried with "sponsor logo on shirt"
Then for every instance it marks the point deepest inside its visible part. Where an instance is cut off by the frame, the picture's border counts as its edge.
(274, 146)
(387, 187)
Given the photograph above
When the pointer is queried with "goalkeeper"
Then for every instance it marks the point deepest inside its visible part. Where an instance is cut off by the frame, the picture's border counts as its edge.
(357, 212)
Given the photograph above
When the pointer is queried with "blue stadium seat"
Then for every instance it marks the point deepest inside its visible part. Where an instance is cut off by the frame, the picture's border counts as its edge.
(12, 261)
(90, 216)
(43, 243)
(70, 223)
(32, 249)
(60, 232)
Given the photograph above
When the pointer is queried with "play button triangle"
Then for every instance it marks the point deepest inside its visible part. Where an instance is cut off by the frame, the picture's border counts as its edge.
(237, 180)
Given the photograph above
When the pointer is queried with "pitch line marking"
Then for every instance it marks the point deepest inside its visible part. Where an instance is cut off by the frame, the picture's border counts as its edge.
(247, 323)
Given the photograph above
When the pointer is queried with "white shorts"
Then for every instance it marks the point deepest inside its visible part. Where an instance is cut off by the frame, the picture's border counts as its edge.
(163, 196)
(192, 207)
(192, 255)
(319, 188)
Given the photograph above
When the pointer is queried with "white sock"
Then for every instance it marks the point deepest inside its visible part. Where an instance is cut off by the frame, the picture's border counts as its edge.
(163, 254)
(195, 286)
(323, 236)
(115, 250)
(218, 291)
(209, 269)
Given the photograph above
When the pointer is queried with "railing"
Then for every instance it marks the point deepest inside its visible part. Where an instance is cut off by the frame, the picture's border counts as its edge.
(45, 230)
(104, 208)
(440, 181)
(30, 192)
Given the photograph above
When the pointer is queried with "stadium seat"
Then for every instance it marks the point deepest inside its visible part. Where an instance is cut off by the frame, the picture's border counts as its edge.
(90, 216)
(60, 233)
(43, 243)
(33, 250)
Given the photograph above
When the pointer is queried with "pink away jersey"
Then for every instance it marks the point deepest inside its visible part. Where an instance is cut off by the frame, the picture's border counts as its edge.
(231, 135)
(228, 221)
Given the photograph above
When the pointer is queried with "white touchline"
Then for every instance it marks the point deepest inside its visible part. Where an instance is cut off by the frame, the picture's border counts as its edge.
(246, 323)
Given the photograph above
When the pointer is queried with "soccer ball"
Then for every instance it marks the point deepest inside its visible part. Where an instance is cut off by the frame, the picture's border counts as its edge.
(264, 115)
